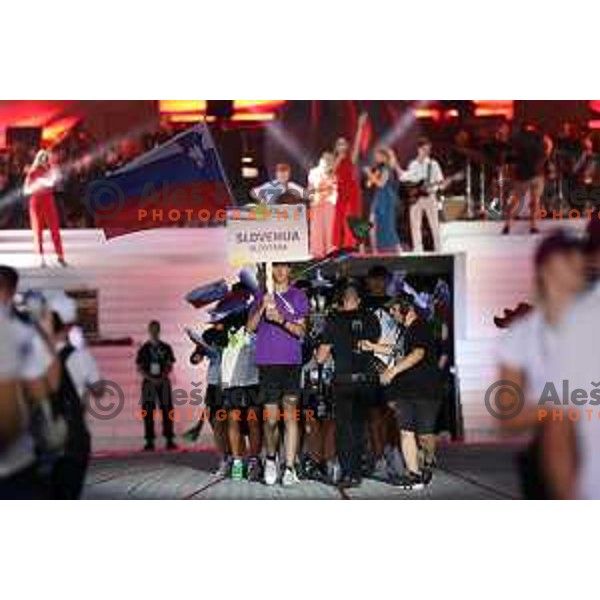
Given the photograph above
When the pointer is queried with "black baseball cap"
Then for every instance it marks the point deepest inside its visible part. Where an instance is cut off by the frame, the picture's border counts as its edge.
(557, 242)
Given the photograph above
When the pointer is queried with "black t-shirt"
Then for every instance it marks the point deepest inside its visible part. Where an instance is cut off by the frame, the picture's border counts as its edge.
(154, 359)
(498, 152)
(375, 302)
(528, 155)
(343, 330)
(424, 376)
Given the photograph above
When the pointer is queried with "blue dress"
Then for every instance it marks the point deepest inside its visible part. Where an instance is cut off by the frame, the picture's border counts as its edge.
(383, 213)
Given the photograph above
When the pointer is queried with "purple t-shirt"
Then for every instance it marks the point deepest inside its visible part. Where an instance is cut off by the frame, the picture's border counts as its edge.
(275, 345)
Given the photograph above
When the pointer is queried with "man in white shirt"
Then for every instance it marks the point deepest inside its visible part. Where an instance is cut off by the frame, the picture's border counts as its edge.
(525, 354)
(81, 365)
(575, 461)
(79, 382)
(279, 190)
(15, 482)
(426, 170)
(11, 422)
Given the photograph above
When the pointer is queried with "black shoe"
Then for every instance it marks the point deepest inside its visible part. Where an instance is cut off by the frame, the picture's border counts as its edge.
(348, 481)
(533, 230)
(368, 465)
(411, 481)
(427, 475)
(506, 230)
(171, 445)
(311, 469)
(344, 482)
(254, 470)
(149, 447)
(62, 262)
(356, 481)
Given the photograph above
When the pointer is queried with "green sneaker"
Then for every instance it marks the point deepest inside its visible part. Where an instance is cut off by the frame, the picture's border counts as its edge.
(237, 470)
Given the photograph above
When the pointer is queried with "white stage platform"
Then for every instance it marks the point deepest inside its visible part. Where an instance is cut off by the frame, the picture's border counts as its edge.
(145, 276)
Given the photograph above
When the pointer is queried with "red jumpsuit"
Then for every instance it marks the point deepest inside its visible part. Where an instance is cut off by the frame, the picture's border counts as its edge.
(348, 203)
(42, 211)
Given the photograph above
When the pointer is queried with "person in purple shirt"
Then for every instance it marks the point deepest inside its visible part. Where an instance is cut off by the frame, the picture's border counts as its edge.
(279, 320)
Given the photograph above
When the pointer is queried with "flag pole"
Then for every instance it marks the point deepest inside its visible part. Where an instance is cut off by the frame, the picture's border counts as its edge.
(269, 277)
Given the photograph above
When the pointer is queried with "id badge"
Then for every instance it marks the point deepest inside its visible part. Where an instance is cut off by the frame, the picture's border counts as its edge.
(154, 369)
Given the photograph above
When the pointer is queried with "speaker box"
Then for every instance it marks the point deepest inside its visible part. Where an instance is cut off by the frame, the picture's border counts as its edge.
(455, 208)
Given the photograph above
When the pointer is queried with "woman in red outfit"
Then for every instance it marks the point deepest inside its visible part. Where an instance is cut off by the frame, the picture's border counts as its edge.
(39, 183)
(349, 203)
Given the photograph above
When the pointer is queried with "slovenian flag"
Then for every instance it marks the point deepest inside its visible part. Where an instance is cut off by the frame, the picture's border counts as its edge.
(180, 183)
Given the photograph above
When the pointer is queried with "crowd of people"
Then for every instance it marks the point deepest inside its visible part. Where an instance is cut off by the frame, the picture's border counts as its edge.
(516, 172)
(380, 205)
(527, 171)
(330, 385)
(46, 375)
(79, 158)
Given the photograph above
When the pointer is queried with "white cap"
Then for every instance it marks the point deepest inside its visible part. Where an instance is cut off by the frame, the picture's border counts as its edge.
(64, 306)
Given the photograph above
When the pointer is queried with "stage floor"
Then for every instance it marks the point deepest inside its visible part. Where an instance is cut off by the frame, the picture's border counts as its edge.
(478, 472)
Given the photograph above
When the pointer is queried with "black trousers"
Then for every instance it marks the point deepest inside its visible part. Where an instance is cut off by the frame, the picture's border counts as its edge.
(157, 395)
(352, 402)
(23, 485)
(68, 476)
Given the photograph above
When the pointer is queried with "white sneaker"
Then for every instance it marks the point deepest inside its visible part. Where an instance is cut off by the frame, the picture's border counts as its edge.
(224, 468)
(333, 471)
(289, 476)
(270, 471)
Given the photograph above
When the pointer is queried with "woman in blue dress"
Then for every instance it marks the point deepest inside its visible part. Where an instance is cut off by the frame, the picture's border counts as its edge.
(382, 177)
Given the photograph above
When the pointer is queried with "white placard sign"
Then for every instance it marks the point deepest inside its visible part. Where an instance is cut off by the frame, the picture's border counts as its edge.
(267, 234)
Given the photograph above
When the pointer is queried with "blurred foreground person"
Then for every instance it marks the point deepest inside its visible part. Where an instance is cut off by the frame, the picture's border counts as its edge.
(13, 420)
(79, 380)
(524, 354)
(38, 375)
(572, 454)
